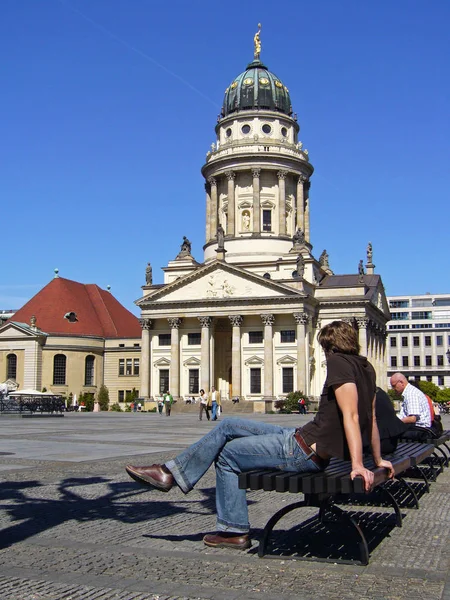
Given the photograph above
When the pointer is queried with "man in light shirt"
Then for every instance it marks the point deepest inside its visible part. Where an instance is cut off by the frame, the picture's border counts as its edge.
(414, 409)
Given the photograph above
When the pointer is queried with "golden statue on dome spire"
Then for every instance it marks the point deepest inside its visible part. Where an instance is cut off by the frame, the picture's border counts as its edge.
(257, 42)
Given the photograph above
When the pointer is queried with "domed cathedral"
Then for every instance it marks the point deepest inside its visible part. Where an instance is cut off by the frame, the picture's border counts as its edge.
(246, 319)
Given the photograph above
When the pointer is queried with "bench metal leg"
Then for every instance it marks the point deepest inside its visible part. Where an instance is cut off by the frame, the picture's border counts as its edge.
(273, 521)
(393, 502)
(342, 515)
(410, 490)
(444, 455)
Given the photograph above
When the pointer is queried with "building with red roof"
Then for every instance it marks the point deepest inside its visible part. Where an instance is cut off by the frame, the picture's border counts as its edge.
(71, 338)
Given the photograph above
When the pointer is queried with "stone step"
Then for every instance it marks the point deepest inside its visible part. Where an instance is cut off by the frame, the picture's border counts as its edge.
(227, 407)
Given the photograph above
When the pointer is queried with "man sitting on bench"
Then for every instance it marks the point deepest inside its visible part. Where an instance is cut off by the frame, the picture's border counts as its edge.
(346, 414)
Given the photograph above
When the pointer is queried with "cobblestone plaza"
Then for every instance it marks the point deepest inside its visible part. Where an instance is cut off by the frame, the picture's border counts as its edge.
(74, 526)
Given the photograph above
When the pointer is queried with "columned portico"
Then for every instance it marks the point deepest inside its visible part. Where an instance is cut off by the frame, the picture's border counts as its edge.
(236, 323)
(300, 203)
(146, 325)
(175, 323)
(268, 321)
(363, 322)
(301, 319)
(205, 376)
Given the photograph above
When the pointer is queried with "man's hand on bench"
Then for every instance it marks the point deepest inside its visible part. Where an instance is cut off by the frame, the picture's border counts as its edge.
(365, 474)
(387, 465)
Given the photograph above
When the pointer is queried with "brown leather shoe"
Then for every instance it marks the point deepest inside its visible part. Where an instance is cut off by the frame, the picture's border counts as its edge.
(238, 541)
(158, 476)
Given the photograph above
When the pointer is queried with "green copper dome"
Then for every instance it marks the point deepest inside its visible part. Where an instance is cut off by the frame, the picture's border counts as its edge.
(256, 88)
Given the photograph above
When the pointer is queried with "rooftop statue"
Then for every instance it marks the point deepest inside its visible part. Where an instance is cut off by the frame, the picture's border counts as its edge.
(369, 253)
(360, 268)
(298, 237)
(323, 260)
(148, 274)
(186, 246)
(257, 42)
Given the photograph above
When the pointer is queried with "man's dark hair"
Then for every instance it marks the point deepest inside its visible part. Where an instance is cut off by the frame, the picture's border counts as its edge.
(339, 336)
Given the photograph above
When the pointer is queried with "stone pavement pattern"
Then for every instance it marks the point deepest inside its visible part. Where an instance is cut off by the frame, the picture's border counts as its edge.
(75, 527)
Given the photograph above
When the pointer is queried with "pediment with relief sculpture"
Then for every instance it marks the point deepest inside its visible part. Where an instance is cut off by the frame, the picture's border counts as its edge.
(216, 281)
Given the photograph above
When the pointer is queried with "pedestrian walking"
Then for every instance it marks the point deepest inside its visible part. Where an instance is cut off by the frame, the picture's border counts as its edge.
(203, 405)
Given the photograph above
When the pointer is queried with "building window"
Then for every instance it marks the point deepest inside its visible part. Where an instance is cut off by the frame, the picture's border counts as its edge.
(121, 366)
(288, 380)
(288, 336)
(11, 369)
(193, 381)
(121, 395)
(428, 360)
(194, 339)
(164, 339)
(59, 369)
(429, 378)
(267, 220)
(417, 361)
(400, 316)
(89, 370)
(393, 361)
(163, 380)
(421, 314)
(398, 303)
(404, 342)
(121, 345)
(405, 361)
(440, 380)
(393, 342)
(439, 340)
(440, 360)
(428, 340)
(416, 341)
(416, 377)
(129, 368)
(135, 366)
(255, 381)
(255, 337)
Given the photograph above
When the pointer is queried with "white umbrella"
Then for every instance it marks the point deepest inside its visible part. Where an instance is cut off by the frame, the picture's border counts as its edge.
(74, 400)
(26, 393)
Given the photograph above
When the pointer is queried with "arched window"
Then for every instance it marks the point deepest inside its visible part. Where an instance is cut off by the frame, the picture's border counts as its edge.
(11, 371)
(59, 369)
(89, 370)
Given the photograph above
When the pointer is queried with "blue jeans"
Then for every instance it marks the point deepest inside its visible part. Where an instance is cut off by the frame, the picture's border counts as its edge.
(237, 445)
(214, 411)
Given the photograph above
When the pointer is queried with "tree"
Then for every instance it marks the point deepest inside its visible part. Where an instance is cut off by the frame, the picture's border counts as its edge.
(290, 403)
(428, 388)
(443, 395)
(103, 397)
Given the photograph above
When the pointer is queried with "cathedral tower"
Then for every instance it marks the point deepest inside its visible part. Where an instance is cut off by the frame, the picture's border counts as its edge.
(257, 172)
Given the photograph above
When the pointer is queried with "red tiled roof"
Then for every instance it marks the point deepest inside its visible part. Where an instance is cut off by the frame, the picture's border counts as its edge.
(98, 312)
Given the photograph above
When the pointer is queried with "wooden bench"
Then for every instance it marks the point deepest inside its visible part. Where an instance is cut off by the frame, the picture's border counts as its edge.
(321, 490)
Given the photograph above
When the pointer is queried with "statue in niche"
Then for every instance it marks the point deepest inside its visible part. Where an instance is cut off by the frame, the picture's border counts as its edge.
(323, 260)
(220, 236)
(298, 237)
(148, 274)
(246, 220)
(360, 268)
(369, 253)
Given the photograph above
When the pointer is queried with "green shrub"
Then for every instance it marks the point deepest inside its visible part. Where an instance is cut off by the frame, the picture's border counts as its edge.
(115, 407)
(428, 388)
(103, 397)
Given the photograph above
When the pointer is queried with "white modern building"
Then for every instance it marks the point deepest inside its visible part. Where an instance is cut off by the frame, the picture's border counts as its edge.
(419, 337)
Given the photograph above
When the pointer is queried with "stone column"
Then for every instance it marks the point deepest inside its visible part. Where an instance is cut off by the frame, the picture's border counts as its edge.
(208, 212)
(256, 201)
(145, 369)
(301, 319)
(268, 321)
(205, 379)
(213, 212)
(282, 202)
(231, 221)
(300, 224)
(363, 323)
(175, 323)
(236, 382)
(306, 196)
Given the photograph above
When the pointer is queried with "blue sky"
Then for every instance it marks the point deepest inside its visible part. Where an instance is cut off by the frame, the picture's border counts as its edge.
(109, 106)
